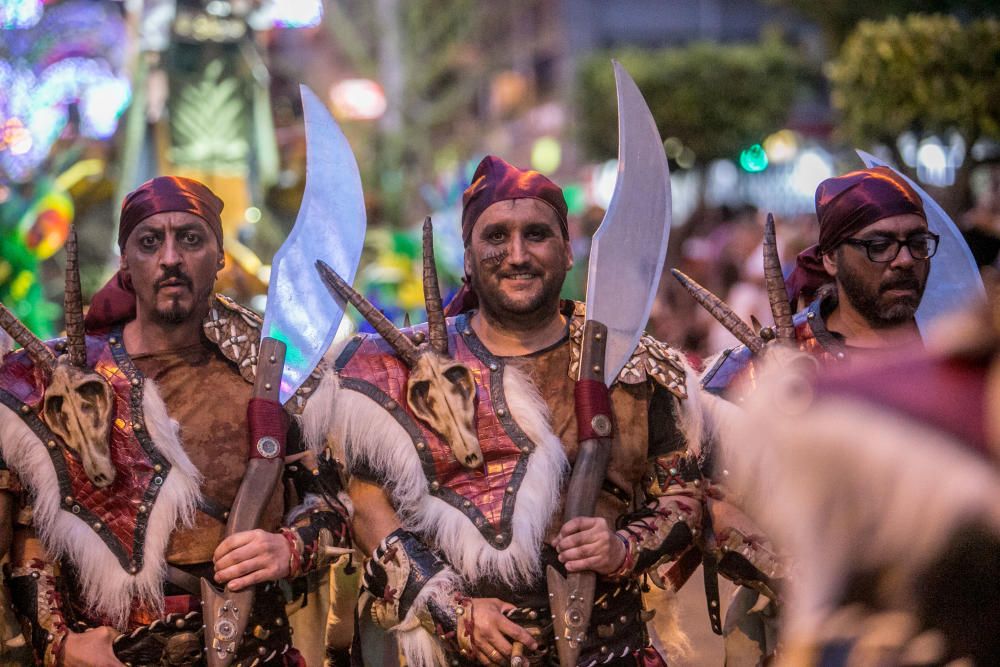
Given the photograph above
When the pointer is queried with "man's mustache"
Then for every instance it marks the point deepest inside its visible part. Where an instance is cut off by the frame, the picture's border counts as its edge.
(175, 275)
(904, 282)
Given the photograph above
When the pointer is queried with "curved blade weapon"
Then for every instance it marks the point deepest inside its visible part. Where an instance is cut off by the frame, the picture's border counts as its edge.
(626, 261)
(299, 324)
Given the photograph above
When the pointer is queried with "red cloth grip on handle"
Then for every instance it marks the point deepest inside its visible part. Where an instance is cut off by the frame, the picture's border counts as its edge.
(592, 399)
(266, 419)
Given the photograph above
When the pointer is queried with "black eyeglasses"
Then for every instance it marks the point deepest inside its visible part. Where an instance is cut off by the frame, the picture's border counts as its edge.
(921, 247)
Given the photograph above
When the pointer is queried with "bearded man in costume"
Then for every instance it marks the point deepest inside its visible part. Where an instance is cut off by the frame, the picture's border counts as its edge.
(457, 436)
(125, 453)
(863, 281)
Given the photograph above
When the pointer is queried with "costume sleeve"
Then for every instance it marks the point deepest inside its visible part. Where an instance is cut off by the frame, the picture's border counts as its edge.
(410, 591)
(318, 529)
(671, 513)
(36, 597)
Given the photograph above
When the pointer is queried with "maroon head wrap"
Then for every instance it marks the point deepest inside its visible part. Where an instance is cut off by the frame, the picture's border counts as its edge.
(844, 206)
(115, 302)
(495, 181)
(165, 194)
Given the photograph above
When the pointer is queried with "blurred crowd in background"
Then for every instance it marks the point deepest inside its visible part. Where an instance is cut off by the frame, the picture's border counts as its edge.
(757, 100)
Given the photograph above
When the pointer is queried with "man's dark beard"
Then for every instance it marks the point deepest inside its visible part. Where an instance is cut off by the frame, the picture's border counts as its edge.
(176, 313)
(867, 303)
(499, 308)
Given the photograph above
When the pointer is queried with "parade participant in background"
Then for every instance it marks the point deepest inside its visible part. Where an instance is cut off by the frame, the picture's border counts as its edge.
(128, 449)
(893, 519)
(458, 435)
(863, 281)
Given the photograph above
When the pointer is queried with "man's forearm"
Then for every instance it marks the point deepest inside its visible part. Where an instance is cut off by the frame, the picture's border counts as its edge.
(671, 519)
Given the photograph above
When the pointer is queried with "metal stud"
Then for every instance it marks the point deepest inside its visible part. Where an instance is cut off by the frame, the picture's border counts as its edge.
(136, 426)
(420, 446)
(435, 486)
(157, 480)
(51, 444)
(113, 340)
(493, 366)
(25, 409)
(501, 412)
(135, 382)
(158, 468)
(500, 539)
(98, 525)
(68, 500)
(267, 386)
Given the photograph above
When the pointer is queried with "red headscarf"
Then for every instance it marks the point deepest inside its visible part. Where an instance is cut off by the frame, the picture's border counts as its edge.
(844, 206)
(115, 302)
(494, 181)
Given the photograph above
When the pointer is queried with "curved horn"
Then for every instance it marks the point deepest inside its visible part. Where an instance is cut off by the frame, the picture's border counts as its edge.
(399, 342)
(37, 350)
(437, 330)
(76, 346)
(720, 311)
(777, 294)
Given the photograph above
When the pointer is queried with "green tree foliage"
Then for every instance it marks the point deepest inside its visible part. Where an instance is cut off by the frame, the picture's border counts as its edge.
(837, 18)
(716, 99)
(927, 74)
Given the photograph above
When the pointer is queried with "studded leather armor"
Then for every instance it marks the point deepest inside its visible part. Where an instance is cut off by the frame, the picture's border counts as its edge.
(647, 404)
(46, 592)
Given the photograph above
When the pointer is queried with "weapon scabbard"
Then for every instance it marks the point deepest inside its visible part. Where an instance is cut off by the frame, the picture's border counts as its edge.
(571, 598)
(226, 612)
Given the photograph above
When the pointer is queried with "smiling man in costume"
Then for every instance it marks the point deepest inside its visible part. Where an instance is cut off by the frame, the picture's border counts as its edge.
(461, 528)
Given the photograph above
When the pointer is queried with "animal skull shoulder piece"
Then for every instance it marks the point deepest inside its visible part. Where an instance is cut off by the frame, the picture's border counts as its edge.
(440, 391)
(77, 403)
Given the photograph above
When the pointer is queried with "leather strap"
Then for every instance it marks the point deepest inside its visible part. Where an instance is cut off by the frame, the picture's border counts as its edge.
(214, 509)
(183, 580)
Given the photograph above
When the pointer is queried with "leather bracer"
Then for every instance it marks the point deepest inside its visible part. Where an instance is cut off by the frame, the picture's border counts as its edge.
(744, 554)
(396, 574)
(671, 518)
(35, 594)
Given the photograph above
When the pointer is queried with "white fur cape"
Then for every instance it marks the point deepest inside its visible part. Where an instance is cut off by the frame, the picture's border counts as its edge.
(366, 434)
(107, 588)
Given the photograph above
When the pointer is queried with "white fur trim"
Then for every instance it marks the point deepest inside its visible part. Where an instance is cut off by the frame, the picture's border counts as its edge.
(367, 434)
(418, 646)
(696, 413)
(845, 487)
(106, 587)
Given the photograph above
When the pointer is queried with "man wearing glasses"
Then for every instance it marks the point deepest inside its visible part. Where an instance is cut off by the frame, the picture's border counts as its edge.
(858, 289)
(860, 286)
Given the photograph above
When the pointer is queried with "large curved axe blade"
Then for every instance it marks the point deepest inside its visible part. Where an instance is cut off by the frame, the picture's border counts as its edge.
(626, 261)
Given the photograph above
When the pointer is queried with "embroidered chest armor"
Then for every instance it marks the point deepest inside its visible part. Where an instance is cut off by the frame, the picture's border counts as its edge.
(120, 512)
(486, 496)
